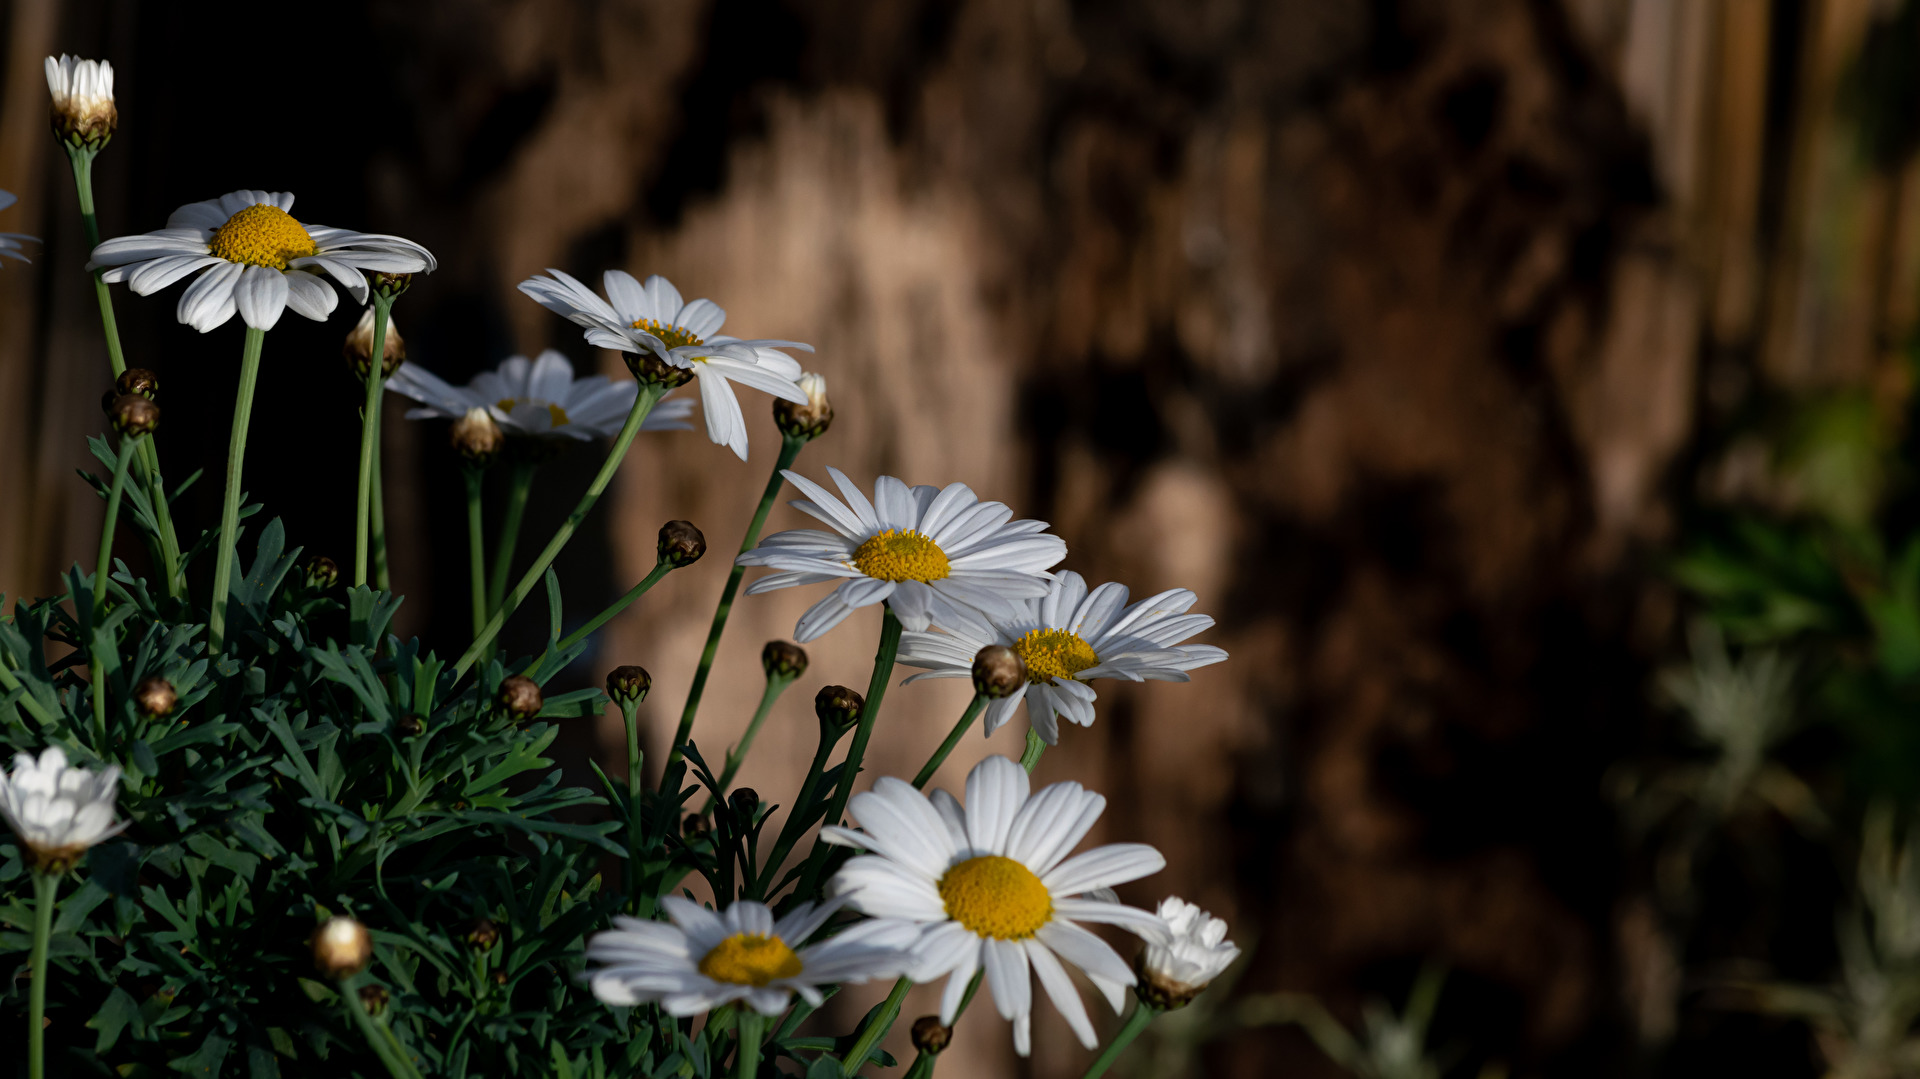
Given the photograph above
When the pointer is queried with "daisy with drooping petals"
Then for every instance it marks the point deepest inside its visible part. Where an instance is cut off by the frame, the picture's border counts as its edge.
(1194, 951)
(704, 960)
(58, 811)
(937, 556)
(1068, 639)
(10, 242)
(258, 260)
(538, 399)
(992, 886)
(674, 341)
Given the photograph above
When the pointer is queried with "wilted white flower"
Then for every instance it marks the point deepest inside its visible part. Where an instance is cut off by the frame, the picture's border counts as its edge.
(1067, 639)
(653, 323)
(938, 556)
(1194, 951)
(259, 261)
(704, 960)
(539, 399)
(57, 811)
(83, 110)
(992, 886)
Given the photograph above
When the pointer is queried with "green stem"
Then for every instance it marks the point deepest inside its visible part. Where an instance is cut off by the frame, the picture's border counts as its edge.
(922, 1066)
(520, 486)
(1137, 1021)
(974, 708)
(396, 1061)
(642, 404)
(44, 887)
(636, 820)
(1031, 756)
(369, 439)
(381, 580)
(163, 515)
(738, 754)
(96, 668)
(857, 751)
(789, 452)
(790, 831)
(230, 507)
(750, 1026)
(875, 1029)
(12, 684)
(476, 549)
(659, 570)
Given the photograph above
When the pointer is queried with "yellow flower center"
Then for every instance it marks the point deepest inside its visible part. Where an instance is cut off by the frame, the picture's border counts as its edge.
(554, 412)
(901, 556)
(750, 959)
(1054, 653)
(262, 235)
(673, 336)
(996, 897)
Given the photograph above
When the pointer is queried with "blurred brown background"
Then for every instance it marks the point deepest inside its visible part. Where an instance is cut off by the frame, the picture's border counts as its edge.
(1399, 330)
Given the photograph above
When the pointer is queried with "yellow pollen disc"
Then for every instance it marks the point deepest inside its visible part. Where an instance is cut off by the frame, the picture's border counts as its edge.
(1054, 653)
(674, 336)
(901, 556)
(996, 897)
(262, 235)
(750, 959)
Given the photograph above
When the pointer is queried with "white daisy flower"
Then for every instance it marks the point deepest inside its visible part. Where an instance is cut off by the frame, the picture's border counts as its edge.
(538, 399)
(1068, 639)
(705, 960)
(938, 556)
(57, 811)
(1194, 951)
(259, 261)
(10, 242)
(82, 90)
(992, 886)
(651, 321)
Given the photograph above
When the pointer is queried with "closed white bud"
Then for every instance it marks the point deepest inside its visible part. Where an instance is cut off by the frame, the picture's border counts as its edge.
(83, 111)
(57, 811)
(1194, 952)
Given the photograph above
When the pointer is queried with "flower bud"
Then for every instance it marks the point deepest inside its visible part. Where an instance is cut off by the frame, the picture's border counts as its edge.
(389, 285)
(629, 684)
(998, 671)
(477, 438)
(838, 708)
(483, 934)
(783, 659)
(744, 802)
(83, 114)
(930, 1036)
(694, 826)
(134, 416)
(358, 349)
(341, 948)
(155, 697)
(808, 421)
(411, 725)
(322, 573)
(1193, 952)
(374, 998)
(655, 371)
(138, 380)
(521, 696)
(681, 544)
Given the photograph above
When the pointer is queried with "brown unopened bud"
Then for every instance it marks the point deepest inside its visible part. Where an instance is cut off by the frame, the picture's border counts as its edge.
(134, 416)
(694, 826)
(341, 947)
(998, 671)
(411, 725)
(838, 708)
(483, 934)
(744, 802)
(929, 1036)
(808, 421)
(322, 573)
(358, 349)
(783, 659)
(138, 381)
(374, 998)
(653, 370)
(155, 697)
(477, 438)
(681, 544)
(521, 696)
(628, 684)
